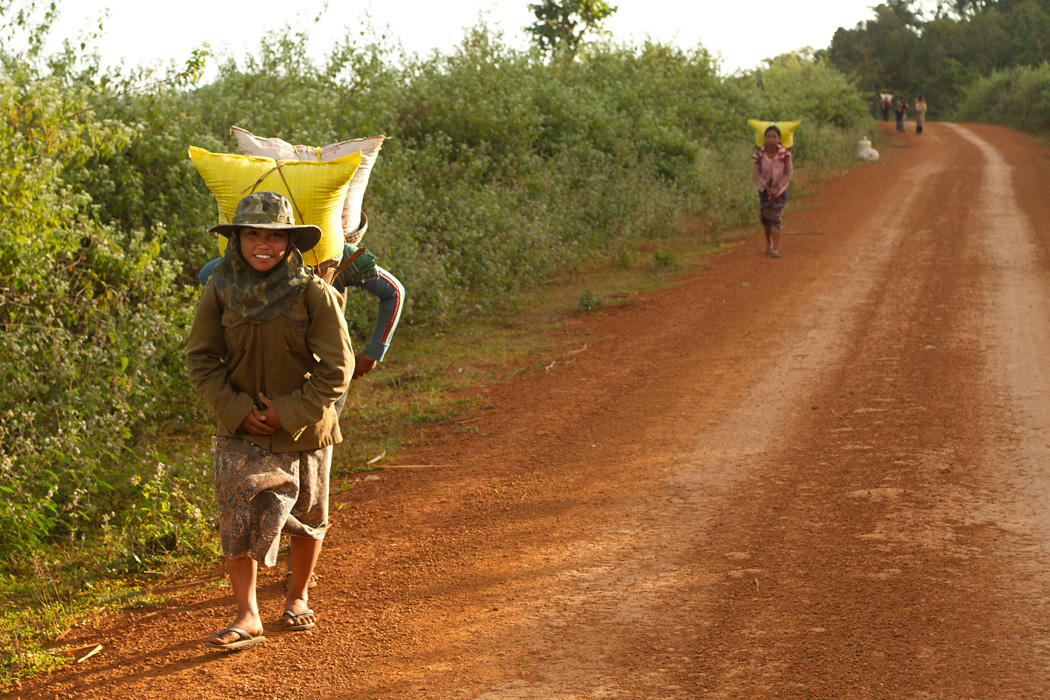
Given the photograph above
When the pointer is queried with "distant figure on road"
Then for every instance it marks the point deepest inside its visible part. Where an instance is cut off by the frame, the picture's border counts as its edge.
(270, 353)
(773, 171)
(901, 111)
(885, 101)
(920, 113)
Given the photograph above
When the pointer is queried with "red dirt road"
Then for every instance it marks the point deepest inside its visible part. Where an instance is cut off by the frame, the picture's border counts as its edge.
(825, 476)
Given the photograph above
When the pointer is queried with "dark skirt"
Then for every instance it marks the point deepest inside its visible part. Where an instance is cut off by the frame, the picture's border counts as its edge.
(771, 211)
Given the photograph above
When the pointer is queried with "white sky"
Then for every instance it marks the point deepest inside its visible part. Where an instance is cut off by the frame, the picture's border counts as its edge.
(142, 32)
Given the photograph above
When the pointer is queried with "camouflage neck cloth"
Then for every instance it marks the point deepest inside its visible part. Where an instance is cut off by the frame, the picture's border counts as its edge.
(260, 296)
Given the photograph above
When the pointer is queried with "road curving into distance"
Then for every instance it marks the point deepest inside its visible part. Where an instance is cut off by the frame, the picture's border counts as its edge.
(824, 476)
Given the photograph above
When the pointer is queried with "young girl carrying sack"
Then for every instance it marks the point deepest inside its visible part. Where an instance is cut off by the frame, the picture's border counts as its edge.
(773, 170)
(270, 353)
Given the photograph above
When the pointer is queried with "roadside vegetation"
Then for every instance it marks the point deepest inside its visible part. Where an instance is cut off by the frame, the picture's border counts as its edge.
(508, 173)
(1017, 97)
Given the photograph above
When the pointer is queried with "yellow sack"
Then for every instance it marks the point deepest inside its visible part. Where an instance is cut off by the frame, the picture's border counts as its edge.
(353, 227)
(787, 130)
(316, 189)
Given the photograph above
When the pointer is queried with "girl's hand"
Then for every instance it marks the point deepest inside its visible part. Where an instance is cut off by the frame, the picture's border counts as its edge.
(362, 365)
(263, 422)
(255, 424)
(269, 415)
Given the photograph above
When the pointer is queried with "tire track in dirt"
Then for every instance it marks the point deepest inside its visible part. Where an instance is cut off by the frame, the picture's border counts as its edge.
(1016, 335)
(884, 574)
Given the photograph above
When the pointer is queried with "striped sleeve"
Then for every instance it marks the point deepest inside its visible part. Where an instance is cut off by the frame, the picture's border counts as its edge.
(390, 293)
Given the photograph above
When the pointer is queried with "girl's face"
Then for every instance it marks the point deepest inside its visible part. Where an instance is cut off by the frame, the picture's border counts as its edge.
(772, 139)
(263, 248)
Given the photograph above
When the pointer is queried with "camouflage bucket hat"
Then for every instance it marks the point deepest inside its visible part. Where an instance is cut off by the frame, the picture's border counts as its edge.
(269, 210)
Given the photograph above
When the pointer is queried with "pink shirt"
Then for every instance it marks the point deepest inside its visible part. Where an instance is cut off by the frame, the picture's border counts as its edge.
(778, 171)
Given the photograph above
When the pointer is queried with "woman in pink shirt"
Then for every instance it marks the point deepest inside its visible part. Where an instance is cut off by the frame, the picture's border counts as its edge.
(773, 171)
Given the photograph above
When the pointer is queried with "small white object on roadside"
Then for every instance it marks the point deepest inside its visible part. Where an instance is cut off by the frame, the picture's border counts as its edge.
(865, 152)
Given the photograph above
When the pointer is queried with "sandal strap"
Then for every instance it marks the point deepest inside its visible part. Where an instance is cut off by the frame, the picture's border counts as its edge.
(240, 633)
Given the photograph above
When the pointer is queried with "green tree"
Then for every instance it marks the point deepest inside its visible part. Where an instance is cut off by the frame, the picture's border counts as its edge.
(560, 24)
(878, 52)
(1031, 37)
(902, 51)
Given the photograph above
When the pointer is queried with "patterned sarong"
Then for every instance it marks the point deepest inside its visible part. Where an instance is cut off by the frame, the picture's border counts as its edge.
(771, 211)
(262, 493)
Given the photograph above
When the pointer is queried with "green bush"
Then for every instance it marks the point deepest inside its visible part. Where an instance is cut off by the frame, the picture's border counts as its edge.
(1017, 97)
(91, 319)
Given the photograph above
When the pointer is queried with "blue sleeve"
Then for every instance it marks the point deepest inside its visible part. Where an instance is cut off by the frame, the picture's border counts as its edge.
(205, 274)
(391, 295)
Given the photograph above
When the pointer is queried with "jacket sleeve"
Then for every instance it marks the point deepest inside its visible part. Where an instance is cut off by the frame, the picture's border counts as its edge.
(329, 341)
(206, 354)
(390, 293)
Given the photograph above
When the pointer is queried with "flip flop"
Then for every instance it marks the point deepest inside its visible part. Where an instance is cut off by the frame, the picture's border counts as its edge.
(297, 627)
(243, 639)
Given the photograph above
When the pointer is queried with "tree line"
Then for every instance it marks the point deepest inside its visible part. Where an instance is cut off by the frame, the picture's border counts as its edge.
(946, 52)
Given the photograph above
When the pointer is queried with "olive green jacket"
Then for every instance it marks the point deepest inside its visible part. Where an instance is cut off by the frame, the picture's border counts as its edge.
(301, 361)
